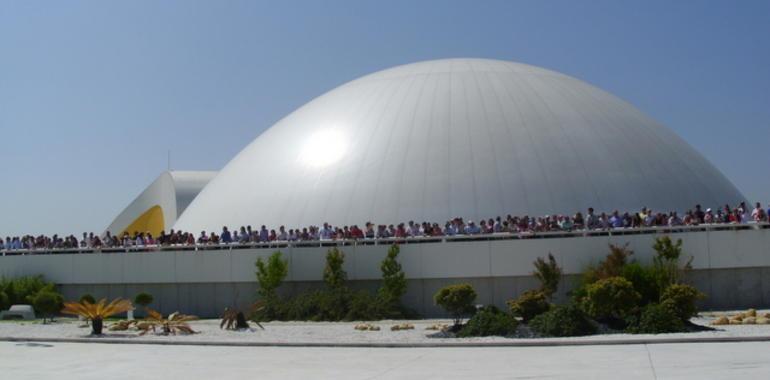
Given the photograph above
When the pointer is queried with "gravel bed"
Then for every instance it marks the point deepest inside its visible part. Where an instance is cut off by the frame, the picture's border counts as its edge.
(344, 333)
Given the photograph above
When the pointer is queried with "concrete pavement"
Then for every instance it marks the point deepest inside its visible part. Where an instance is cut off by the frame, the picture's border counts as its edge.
(663, 361)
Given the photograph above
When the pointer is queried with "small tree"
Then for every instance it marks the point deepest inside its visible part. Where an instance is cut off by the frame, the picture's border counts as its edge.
(393, 279)
(334, 275)
(666, 261)
(143, 299)
(549, 274)
(87, 298)
(457, 300)
(48, 303)
(271, 274)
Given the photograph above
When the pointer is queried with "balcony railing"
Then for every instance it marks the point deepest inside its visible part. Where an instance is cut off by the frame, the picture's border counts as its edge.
(390, 241)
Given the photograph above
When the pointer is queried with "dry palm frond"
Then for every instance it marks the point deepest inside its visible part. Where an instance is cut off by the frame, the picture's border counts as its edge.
(99, 310)
(234, 319)
(175, 323)
(122, 325)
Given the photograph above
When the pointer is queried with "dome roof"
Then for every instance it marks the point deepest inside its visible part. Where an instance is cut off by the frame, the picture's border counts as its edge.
(458, 137)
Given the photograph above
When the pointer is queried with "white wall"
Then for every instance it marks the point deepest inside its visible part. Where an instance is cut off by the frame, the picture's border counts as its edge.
(477, 259)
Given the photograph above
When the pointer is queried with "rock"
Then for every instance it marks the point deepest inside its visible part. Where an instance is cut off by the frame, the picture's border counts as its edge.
(720, 321)
(736, 321)
(749, 321)
(437, 327)
(763, 321)
(750, 313)
(403, 326)
(367, 327)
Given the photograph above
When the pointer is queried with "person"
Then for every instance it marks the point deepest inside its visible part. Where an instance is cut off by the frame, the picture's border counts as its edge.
(616, 221)
(326, 232)
(282, 234)
(758, 214)
(591, 220)
(203, 239)
(674, 220)
(699, 215)
(226, 237)
(471, 228)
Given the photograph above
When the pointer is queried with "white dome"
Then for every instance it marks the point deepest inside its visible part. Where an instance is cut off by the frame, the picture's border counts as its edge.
(459, 137)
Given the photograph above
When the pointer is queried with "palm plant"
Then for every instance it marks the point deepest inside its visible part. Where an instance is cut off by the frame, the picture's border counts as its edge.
(175, 322)
(96, 312)
(234, 319)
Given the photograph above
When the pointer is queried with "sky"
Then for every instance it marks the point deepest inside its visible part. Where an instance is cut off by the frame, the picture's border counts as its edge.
(94, 94)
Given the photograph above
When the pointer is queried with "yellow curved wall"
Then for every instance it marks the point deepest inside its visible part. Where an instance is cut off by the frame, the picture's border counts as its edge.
(150, 221)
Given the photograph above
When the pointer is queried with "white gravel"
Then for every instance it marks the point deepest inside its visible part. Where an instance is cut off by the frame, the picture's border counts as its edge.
(343, 333)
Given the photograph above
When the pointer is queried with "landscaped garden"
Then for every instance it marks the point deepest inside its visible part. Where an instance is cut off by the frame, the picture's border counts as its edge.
(616, 297)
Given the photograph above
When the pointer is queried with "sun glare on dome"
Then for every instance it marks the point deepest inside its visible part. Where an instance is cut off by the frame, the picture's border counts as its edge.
(323, 148)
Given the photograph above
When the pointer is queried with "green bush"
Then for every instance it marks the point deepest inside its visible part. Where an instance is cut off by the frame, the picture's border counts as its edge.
(87, 298)
(645, 282)
(529, 305)
(5, 301)
(681, 300)
(487, 322)
(270, 275)
(569, 320)
(549, 275)
(393, 282)
(457, 300)
(363, 306)
(609, 299)
(143, 299)
(666, 261)
(656, 319)
(334, 275)
(48, 303)
(303, 307)
(22, 290)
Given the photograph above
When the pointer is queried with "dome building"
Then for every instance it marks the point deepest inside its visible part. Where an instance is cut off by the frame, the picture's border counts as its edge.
(474, 138)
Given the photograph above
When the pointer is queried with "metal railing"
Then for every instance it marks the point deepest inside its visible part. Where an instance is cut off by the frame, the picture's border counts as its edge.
(390, 241)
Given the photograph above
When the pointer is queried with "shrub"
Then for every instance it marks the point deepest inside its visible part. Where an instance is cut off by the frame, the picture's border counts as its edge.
(87, 298)
(270, 275)
(656, 319)
(529, 305)
(22, 290)
(569, 320)
(549, 274)
(644, 280)
(143, 299)
(48, 303)
(681, 300)
(364, 307)
(666, 261)
(457, 300)
(393, 281)
(609, 299)
(334, 275)
(5, 301)
(303, 307)
(487, 322)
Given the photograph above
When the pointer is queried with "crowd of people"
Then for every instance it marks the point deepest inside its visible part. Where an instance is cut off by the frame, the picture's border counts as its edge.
(457, 226)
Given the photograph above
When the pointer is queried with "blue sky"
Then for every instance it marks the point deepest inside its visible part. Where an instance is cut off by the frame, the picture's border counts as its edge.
(93, 94)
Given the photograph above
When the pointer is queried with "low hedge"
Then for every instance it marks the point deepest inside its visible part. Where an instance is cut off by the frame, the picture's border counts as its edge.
(568, 320)
(489, 321)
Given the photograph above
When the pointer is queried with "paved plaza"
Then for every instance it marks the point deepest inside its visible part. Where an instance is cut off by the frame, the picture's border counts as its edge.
(127, 361)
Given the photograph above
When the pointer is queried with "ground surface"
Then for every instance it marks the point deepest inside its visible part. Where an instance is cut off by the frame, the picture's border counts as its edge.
(343, 333)
(65, 361)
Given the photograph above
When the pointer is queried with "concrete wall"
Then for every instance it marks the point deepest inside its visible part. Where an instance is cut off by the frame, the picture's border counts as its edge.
(732, 267)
